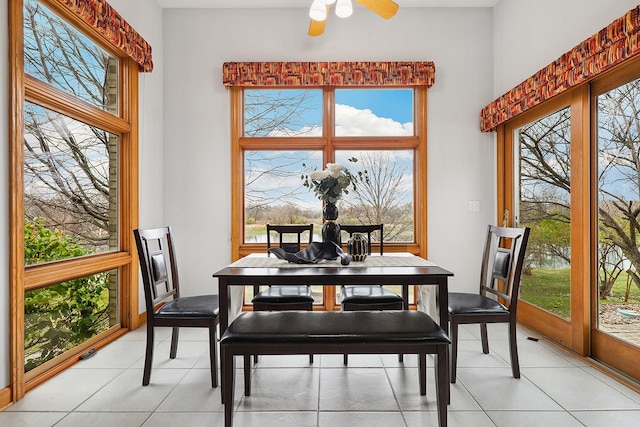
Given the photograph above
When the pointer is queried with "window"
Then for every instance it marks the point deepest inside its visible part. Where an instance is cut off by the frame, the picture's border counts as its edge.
(543, 203)
(285, 134)
(74, 188)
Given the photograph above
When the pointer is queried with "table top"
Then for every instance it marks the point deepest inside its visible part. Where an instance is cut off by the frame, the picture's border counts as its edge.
(394, 268)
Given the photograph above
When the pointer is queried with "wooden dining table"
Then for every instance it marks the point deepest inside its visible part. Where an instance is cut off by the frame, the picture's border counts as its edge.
(390, 269)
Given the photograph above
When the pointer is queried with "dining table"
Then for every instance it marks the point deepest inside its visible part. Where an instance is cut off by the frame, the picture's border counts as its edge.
(402, 269)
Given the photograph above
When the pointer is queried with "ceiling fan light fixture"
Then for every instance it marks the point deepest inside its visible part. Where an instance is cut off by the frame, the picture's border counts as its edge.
(344, 8)
(318, 11)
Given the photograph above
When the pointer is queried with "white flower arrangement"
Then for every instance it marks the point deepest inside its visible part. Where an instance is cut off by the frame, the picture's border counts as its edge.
(330, 183)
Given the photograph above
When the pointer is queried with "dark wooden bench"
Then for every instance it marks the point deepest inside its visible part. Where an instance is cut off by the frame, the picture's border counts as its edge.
(356, 332)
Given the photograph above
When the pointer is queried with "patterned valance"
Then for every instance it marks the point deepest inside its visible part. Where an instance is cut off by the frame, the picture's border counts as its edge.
(328, 74)
(104, 18)
(609, 47)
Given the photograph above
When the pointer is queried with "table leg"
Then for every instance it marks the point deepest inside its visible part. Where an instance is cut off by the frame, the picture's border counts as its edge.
(405, 296)
(225, 303)
(443, 308)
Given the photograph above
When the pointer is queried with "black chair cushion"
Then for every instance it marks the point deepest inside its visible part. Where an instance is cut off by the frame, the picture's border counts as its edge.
(368, 294)
(463, 303)
(198, 306)
(334, 326)
(279, 294)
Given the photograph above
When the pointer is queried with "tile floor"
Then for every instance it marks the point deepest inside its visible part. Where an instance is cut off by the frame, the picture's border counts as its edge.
(556, 389)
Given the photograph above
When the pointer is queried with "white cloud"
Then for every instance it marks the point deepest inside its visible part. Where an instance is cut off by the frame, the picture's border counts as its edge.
(351, 121)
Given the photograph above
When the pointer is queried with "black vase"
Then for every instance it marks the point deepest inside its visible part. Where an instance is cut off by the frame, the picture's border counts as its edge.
(330, 228)
(358, 246)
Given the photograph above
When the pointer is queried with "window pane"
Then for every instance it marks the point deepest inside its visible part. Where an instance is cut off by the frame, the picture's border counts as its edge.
(374, 112)
(282, 112)
(60, 317)
(274, 191)
(544, 205)
(386, 198)
(618, 206)
(61, 56)
(70, 187)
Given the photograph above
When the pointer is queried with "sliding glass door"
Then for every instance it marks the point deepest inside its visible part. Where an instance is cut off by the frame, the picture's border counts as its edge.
(616, 326)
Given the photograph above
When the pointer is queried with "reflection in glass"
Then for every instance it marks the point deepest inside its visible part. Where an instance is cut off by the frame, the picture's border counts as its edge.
(374, 112)
(70, 187)
(543, 203)
(282, 112)
(62, 316)
(58, 54)
(618, 136)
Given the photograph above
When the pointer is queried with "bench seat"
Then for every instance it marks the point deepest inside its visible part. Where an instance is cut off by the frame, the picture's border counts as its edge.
(354, 332)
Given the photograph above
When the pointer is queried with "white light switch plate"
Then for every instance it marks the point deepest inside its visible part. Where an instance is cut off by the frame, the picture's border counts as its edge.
(474, 206)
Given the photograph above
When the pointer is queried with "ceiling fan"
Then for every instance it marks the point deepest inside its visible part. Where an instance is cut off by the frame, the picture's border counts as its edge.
(320, 9)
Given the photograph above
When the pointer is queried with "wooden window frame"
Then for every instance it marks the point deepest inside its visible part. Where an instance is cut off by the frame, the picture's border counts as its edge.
(24, 88)
(328, 143)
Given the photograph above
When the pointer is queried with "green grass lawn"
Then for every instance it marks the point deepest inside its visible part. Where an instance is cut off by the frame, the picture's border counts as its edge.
(550, 289)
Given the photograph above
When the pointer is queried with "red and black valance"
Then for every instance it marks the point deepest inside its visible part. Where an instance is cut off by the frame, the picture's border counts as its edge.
(609, 47)
(104, 18)
(328, 74)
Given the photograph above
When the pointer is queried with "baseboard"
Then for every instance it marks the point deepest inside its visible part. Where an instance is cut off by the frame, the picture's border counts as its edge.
(5, 398)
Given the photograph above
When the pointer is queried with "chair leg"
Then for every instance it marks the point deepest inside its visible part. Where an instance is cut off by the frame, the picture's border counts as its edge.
(513, 344)
(401, 358)
(345, 359)
(247, 375)
(311, 359)
(484, 337)
(174, 343)
(442, 384)
(422, 372)
(255, 358)
(453, 326)
(228, 370)
(148, 357)
(212, 356)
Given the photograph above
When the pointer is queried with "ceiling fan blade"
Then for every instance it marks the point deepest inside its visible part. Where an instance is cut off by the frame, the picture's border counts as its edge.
(316, 27)
(384, 8)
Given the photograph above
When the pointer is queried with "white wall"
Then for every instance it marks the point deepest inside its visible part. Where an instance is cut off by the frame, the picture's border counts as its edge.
(197, 136)
(529, 35)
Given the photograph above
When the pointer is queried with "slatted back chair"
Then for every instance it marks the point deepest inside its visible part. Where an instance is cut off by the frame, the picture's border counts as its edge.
(164, 305)
(283, 298)
(497, 299)
(368, 297)
(277, 298)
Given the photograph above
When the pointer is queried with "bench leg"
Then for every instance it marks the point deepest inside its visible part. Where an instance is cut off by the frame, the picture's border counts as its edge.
(227, 385)
(442, 384)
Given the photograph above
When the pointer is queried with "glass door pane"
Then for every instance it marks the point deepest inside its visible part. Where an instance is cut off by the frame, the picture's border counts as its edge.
(542, 202)
(618, 257)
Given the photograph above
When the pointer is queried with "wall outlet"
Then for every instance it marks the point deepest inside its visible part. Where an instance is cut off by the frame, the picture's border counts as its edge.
(474, 206)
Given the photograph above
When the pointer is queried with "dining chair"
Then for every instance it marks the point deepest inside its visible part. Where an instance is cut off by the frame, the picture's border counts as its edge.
(165, 307)
(497, 299)
(277, 298)
(282, 298)
(368, 297)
